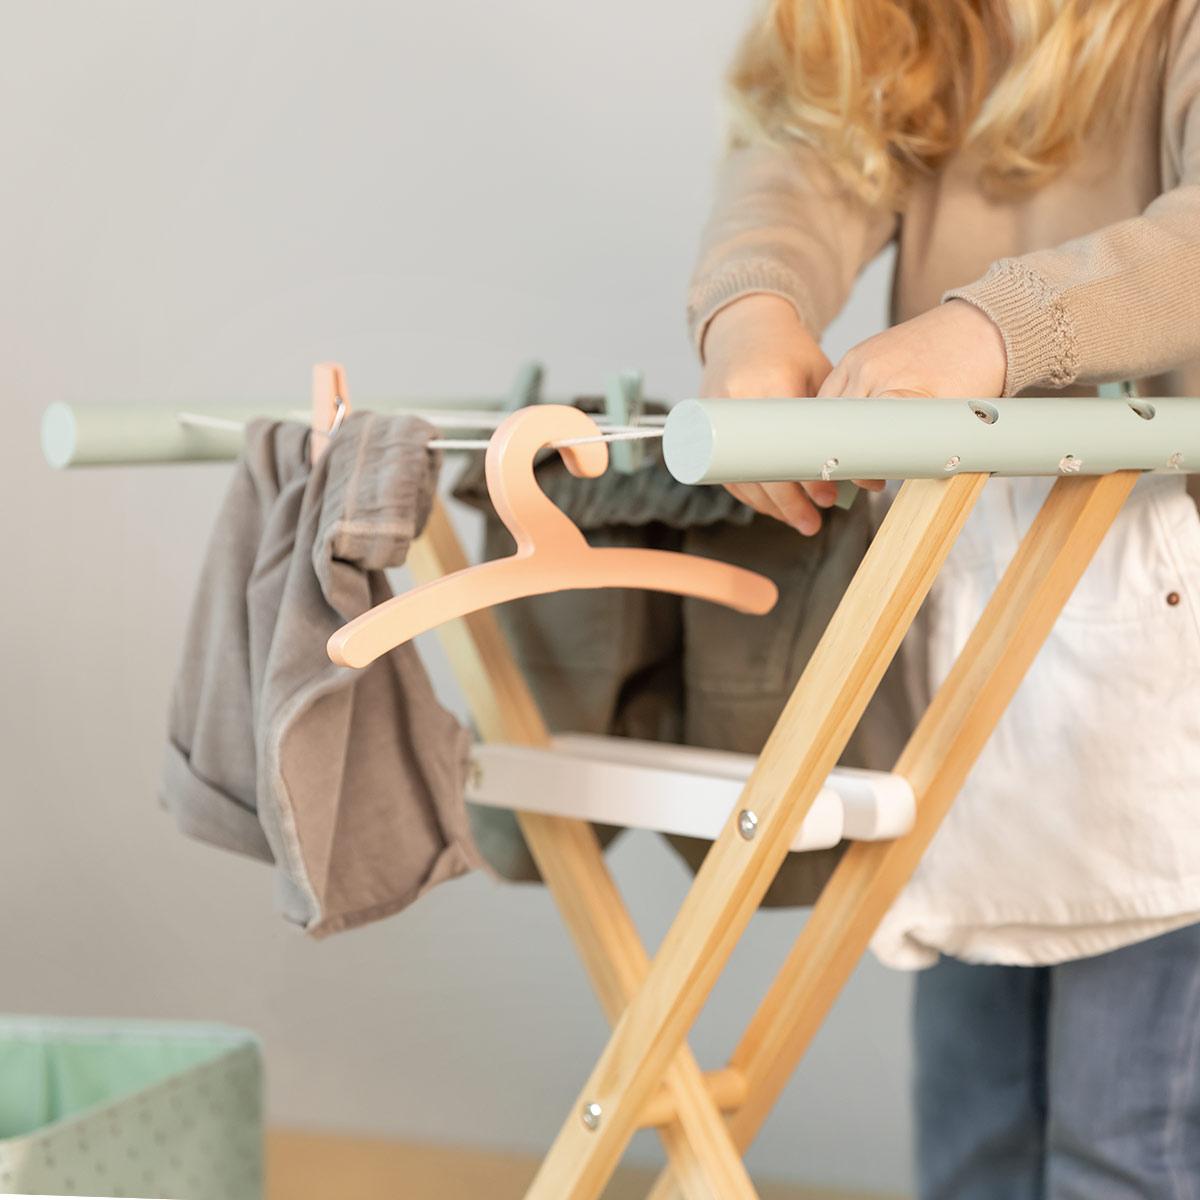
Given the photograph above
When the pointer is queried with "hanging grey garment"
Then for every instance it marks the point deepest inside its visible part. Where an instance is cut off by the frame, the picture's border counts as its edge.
(351, 782)
(667, 668)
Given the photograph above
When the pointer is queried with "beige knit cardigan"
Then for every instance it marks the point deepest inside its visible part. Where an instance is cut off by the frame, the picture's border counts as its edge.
(1095, 277)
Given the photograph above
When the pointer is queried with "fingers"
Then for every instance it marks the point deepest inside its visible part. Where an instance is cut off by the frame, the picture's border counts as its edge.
(755, 495)
(797, 508)
(739, 493)
(836, 382)
(822, 494)
(786, 502)
(800, 505)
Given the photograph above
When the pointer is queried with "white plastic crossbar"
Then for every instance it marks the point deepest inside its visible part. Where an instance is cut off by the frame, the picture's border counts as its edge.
(674, 789)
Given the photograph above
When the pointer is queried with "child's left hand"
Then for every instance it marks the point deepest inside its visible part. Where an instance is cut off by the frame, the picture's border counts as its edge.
(953, 350)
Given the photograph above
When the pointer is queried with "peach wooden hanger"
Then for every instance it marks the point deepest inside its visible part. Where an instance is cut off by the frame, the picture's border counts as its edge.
(552, 554)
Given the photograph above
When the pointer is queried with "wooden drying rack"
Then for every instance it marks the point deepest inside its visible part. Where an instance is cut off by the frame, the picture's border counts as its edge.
(647, 1075)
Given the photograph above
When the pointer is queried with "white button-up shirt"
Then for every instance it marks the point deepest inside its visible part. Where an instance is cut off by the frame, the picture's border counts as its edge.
(1078, 831)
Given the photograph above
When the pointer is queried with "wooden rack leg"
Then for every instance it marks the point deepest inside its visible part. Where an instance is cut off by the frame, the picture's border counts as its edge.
(698, 1143)
(824, 708)
(1018, 618)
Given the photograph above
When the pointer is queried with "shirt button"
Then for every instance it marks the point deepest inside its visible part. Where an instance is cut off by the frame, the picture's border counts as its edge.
(1173, 598)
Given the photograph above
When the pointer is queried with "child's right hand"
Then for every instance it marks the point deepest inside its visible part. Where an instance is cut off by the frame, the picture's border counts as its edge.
(756, 348)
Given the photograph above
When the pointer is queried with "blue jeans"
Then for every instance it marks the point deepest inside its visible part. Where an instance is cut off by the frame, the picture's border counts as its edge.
(1074, 1082)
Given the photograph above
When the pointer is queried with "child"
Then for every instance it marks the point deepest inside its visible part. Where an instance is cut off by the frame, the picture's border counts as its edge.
(1037, 164)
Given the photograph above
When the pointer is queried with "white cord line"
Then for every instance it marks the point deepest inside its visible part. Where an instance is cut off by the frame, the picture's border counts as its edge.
(493, 420)
(613, 433)
(610, 433)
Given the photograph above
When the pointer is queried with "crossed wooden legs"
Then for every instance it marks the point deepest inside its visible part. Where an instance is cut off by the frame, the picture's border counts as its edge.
(657, 1003)
(829, 699)
(940, 753)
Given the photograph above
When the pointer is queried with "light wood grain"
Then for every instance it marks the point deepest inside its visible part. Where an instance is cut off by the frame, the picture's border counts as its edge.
(571, 861)
(943, 748)
(828, 701)
(726, 1086)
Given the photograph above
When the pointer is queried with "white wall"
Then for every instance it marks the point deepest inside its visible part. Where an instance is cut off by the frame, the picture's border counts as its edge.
(199, 202)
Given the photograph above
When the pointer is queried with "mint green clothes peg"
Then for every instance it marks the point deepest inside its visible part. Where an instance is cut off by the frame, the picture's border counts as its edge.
(527, 387)
(1126, 389)
(847, 493)
(623, 405)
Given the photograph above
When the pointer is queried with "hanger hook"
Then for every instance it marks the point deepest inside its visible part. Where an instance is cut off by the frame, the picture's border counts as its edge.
(529, 515)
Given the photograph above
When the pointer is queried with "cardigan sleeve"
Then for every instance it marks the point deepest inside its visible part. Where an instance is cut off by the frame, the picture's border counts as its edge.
(1123, 302)
(782, 223)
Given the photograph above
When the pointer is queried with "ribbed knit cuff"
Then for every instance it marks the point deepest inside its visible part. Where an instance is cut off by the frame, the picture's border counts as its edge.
(1039, 336)
(712, 293)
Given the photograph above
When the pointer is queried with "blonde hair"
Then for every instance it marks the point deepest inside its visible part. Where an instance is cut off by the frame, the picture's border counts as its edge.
(886, 89)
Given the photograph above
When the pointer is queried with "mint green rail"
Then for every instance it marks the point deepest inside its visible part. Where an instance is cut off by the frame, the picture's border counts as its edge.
(732, 441)
(88, 435)
(127, 434)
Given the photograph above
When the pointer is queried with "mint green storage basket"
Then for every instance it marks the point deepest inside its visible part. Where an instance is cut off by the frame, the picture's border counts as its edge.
(129, 1108)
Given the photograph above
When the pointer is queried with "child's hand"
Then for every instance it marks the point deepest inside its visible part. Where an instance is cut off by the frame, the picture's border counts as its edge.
(953, 350)
(756, 348)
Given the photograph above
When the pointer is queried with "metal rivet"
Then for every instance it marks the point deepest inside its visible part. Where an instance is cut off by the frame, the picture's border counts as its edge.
(1173, 598)
(747, 824)
(1176, 460)
(828, 467)
(592, 1112)
(952, 462)
(1069, 464)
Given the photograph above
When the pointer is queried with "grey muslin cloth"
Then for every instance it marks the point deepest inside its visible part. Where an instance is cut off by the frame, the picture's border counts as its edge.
(351, 782)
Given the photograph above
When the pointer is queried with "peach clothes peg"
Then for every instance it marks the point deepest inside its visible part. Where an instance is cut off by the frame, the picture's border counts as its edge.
(330, 406)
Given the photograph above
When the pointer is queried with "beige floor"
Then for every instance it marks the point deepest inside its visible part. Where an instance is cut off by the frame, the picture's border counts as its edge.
(311, 1166)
